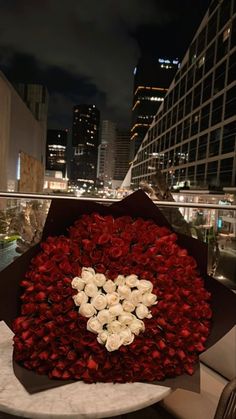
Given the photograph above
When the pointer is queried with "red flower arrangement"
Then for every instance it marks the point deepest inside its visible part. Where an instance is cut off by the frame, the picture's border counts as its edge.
(51, 338)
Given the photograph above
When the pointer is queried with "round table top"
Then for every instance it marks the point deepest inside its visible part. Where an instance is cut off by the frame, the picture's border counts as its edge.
(76, 400)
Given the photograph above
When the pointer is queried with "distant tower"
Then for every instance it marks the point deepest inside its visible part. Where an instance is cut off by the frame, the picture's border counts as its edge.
(56, 150)
(85, 134)
(121, 154)
(106, 153)
(151, 81)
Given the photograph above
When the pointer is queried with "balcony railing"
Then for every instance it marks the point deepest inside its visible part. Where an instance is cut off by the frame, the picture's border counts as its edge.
(22, 218)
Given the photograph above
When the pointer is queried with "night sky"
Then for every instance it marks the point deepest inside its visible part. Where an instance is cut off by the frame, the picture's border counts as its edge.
(85, 50)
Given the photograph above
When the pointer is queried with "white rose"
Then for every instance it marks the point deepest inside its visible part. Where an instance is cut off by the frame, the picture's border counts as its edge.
(112, 299)
(109, 286)
(99, 301)
(135, 297)
(87, 310)
(88, 269)
(116, 310)
(78, 283)
(102, 337)
(128, 306)
(113, 342)
(104, 316)
(127, 336)
(114, 327)
(126, 318)
(80, 298)
(124, 291)
(145, 286)
(99, 280)
(142, 311)
(91, 289)
(136, 326)
(149, 299)
(131, 280)
(120, 280)
(93, 325)
(87, 274)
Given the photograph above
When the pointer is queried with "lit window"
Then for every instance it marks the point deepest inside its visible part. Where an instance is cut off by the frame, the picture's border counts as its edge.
(226, 34)
(201, 61)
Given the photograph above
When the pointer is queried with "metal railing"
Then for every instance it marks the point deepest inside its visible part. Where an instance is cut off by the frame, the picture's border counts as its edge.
(21, 195)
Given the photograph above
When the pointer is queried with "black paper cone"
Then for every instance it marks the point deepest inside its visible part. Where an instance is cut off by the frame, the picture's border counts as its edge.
(61, 216)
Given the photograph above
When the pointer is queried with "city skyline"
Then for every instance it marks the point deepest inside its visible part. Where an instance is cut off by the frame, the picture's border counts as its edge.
(86, 54)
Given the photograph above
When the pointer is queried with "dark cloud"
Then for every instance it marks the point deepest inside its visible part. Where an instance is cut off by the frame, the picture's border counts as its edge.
(92, 44)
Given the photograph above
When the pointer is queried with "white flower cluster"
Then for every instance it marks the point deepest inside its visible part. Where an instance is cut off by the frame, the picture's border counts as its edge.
(115, 309)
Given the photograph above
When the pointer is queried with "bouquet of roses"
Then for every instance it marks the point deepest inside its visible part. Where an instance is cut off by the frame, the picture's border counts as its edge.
(116, 298)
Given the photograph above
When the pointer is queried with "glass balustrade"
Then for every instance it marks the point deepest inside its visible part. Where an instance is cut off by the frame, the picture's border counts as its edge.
(22, 218)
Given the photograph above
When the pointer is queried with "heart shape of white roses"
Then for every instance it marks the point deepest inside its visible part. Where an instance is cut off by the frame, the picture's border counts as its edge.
(115, 309)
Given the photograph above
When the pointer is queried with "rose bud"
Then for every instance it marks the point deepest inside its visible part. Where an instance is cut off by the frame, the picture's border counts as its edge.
(93, 325)
(149, 299)
(99, 301)
(102, 337)
(144, 286)
(126, 318)
(142, 312)
(87, 310)
(116, 310)
(104, 316)
(124, 291)
(112, 298)
(113, 342)
(91, 290)
(131, 281)
(137, 326)
(78, 283)
(109, 286)
(99, 279)
(80, 298)
(128, 306)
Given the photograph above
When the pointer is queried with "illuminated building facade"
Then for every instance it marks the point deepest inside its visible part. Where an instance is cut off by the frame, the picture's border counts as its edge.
(106, 152)
(192, 137)
(151, 81)
(56, 150)
(85, 139)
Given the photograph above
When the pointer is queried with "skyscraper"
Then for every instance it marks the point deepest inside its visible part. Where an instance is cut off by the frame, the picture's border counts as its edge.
(106, 152)
(85, 135)
(56, 150)
(121, 154)
(192, 137)
(152, 77)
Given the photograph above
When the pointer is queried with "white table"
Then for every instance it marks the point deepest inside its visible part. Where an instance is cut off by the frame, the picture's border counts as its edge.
(77, 400)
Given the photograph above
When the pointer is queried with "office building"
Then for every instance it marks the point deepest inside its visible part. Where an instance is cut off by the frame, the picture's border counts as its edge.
(56, 150)
(22, 143)
(192, 137)
(36, 98)
(152, 77)
(106, 153)
(85, 139)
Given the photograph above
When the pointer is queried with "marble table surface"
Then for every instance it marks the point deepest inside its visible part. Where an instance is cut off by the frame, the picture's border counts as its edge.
(77, 400)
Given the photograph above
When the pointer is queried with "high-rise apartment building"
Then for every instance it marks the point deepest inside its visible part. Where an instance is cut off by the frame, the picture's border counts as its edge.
(192, 137)
(106, 152)
(152, 78)
(56, 150)
(85, 135)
